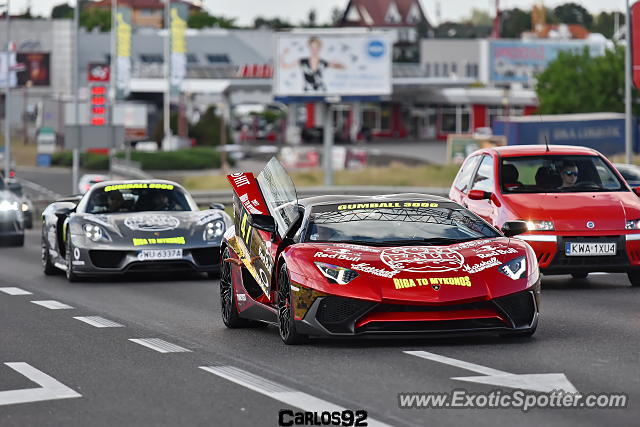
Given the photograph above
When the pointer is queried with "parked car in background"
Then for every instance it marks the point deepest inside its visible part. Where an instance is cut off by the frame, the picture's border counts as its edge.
(88, 180)
(581, 215)
(631, 173)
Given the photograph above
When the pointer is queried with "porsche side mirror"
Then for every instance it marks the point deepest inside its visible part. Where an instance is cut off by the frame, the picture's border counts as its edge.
(513, 228)
(264, 223)
(479, 195)
(62, 212)
(636, 190)
(216, 206)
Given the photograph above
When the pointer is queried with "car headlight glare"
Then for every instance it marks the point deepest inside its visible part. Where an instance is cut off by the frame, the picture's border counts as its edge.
(515, 269)
(93, 232)
(6, 205)
(534, 225)
(25, 207)
(335, 273)
(213, 230)
(633, 224)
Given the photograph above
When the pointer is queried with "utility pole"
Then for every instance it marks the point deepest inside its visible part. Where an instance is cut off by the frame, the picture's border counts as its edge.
(75, 169)
(167, 75)
(7, 125)
(627, 88)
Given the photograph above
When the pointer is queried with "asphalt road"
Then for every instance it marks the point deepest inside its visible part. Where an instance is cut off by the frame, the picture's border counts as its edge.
(589, 331)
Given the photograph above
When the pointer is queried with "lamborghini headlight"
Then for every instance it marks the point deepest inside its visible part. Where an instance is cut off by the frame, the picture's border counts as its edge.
(6, 205)
(515, 269)
(335, 273)
(534, 225)
(94, 232)
(213, 230)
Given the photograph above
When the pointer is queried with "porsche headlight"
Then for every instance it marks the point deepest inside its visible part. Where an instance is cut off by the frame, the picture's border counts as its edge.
(213, 230)
(534, 225)
(6, 205)
(94, 232)
(24, 207)
(633, 224)
(335, 273)
(515, 269)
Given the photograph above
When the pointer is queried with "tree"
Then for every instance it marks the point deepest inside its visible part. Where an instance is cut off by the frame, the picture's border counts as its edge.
(273, 23)
(576, 82)
(604, 23)
(207, 130)
(312, 17)
(94, 17)
(201, 19)
(480, 17)
(336, 16)
(62, 11)
(515, 22)
(572, 13)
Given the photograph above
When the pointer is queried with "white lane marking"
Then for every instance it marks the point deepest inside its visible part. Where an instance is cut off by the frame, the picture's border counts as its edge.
(53, 305)
(99, 322)
(159, 345)
(536, 382)
(15, 291)
(277, 391)
(50, 388)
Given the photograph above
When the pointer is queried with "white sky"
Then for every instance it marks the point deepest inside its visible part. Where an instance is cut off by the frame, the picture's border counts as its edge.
(296, 10)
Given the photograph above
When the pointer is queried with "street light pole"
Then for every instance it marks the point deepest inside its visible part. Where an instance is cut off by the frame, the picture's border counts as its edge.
(167, 75)
(75, 169)
(7, 120)
(627, 88)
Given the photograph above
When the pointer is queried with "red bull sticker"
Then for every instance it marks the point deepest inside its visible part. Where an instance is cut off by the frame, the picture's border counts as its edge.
(422, 259)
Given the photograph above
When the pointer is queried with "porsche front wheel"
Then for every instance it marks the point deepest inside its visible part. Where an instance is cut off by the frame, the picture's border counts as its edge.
(230, 316)
(47, 266)
(286, 324)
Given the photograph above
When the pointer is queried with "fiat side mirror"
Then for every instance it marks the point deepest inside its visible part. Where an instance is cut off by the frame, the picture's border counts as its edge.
(479, 195)
(264, 223)
(513, 228)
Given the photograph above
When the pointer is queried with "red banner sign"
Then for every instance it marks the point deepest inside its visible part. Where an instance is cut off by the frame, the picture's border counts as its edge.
(635, 44)
(246, 188)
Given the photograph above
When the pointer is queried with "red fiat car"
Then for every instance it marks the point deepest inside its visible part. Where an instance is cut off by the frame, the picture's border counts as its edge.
(581, 215)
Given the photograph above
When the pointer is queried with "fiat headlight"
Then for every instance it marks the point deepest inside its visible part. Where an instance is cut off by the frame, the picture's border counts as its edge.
(6, 205)
(335, 273)
(94, 232)
(24, 207)
(534, 225)
(633, 224)
(213, 230)
(515, 269)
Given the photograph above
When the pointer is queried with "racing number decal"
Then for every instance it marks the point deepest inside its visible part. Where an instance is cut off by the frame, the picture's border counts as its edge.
(245, 230)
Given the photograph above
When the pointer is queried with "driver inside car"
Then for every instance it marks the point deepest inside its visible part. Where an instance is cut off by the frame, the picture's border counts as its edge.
(569, 175)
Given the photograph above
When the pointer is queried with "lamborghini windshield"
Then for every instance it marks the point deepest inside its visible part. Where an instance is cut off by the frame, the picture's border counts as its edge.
(138, 197)
(557, 174)
(397, 222)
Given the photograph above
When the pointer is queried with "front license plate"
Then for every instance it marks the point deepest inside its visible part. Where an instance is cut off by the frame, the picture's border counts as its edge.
(159, 254)
(589, 249)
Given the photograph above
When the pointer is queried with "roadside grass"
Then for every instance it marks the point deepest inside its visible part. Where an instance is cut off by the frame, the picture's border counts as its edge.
(23, 155)
(394, 175)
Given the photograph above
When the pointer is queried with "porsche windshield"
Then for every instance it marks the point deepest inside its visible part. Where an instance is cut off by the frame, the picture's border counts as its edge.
(397, 222)
(557, 174)
(137, 198)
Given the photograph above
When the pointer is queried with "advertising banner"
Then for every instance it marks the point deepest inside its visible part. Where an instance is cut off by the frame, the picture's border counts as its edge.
(98, 73)
(335, 64)
(37, 69)
(7, 68)
(518, 62)
(179, 14)
(635, 44)
(123, 51)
